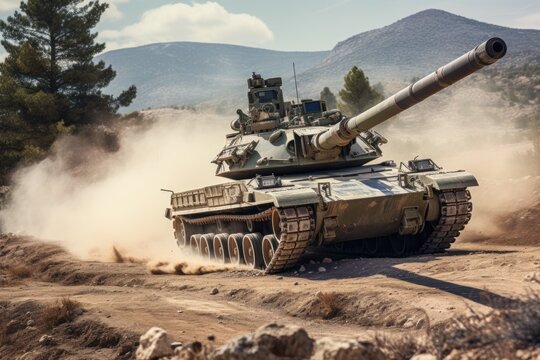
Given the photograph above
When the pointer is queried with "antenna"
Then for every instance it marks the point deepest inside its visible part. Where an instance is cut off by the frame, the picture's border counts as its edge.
(295, 83)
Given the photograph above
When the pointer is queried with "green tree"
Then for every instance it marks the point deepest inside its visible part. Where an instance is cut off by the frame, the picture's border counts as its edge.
(329, 97)
(357, 95)
(49, 82)
(51, 47)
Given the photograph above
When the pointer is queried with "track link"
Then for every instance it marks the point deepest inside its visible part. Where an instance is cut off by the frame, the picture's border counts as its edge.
(297, 226)
(456, 209)
(262, 216)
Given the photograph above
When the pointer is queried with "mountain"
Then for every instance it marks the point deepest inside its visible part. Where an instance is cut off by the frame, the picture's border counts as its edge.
(416, 45)
(184, 73)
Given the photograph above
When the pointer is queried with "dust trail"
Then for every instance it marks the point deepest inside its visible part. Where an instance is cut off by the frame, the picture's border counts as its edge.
(114, 199)
(191, 267)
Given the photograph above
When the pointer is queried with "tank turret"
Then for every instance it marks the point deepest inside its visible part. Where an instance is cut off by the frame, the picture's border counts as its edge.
(279, 137)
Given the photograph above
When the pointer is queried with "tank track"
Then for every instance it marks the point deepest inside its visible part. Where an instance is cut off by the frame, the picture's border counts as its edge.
(456, 209)
(262, 216)
(296, 229)
(297, 225)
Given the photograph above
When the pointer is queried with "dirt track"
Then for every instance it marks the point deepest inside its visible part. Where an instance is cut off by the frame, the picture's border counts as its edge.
(385, 295)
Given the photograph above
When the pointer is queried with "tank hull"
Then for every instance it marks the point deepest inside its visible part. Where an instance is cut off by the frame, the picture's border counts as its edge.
(375, 210)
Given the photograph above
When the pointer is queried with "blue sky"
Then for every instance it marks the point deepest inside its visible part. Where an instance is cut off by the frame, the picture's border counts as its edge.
(281, 24)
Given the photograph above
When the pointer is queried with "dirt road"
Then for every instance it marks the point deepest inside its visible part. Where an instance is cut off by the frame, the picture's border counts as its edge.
(383, 295)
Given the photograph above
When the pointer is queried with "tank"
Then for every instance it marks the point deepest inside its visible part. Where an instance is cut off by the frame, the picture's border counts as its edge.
(305, 179)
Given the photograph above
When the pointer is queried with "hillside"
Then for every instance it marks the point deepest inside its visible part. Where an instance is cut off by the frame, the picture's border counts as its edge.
(416, 44)
(184, 73)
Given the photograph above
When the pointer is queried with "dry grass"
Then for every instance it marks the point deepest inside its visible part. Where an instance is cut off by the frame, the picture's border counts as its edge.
(62, 311)
(497, 334)
(329, 304)
(20, 271)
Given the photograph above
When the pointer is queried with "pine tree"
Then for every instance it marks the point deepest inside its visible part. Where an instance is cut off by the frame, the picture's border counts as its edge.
(357, 95)
(51, 47)
(329, 97)
(49, 82)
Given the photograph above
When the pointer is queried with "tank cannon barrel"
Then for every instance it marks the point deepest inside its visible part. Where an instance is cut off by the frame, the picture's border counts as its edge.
(345, 131)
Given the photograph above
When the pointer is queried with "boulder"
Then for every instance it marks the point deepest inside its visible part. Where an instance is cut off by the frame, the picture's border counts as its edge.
(344, 349)
(269, 342)
(153, 345)
(424, 357)
(190, 351)
(47, 340)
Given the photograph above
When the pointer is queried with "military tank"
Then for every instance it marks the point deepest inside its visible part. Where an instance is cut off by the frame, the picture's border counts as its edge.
(305, 178)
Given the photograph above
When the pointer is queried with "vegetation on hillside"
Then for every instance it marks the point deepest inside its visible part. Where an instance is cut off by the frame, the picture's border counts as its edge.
(357, 94)
(520, 87)
(328, 96)
(49, 82)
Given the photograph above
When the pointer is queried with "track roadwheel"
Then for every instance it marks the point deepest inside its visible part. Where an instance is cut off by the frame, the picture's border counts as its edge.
(234, 244)
(180, 233)
(398, 244)
(206, 246)
(221, 251)
(252, 249)
(194, 243)
(269, 247)
(372, 246)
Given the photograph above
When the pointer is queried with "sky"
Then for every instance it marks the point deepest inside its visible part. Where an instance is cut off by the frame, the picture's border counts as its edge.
(301, 25)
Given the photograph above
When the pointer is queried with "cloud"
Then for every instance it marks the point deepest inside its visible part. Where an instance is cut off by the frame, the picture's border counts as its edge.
(113, 12)
(206, 22)
(8, 5)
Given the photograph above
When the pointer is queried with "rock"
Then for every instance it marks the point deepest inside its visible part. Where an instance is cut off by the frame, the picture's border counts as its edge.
(280, 278)
(409, 324)
(12, 327)
(154, 344)
(269, 342)
(424, 357)
(322, 269)
(532, 277)
(214, 291)
(30, 322)
(79, 311)
(302, 268)
(47, 340)
(211, 337)
(220, 317)
(296, 283)
(327, 261)
(460, 355)
(179, 311)
(344, 349)
(176, 344)
(190, 351)
(19, 253)
(312, 262)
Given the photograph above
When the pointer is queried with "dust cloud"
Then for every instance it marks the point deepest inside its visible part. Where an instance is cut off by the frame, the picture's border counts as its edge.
(114, 199)
(471, 129)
